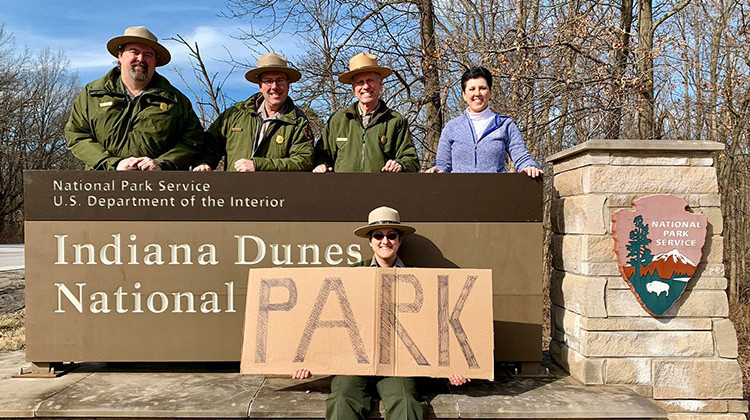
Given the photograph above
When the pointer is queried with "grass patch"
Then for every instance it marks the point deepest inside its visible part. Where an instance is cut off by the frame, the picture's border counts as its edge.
(13, 331)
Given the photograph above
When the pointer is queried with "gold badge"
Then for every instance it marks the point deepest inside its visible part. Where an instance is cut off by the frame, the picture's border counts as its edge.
(383, 139)
(163, 106)
(279, 139)
(236, 129)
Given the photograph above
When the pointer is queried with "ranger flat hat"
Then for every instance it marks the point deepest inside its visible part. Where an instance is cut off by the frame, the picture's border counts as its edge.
(361, 63)
(383, 218)
(144, 36)
(272, 62)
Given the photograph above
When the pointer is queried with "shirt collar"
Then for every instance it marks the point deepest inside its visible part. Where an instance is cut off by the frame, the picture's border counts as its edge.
(261, 107)
(396, 264)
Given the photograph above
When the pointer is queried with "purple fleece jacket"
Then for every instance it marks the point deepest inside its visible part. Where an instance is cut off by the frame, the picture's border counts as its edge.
(460, 150)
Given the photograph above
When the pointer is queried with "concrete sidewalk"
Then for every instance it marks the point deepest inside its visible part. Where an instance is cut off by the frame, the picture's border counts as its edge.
(192, 390)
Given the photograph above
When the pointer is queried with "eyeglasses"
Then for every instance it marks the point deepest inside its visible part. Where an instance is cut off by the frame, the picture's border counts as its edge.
(378, 236)
(279, 82)
(145, 54)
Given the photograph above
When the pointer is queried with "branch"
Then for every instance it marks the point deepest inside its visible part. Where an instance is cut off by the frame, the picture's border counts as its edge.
(670, 14)
(202, 76)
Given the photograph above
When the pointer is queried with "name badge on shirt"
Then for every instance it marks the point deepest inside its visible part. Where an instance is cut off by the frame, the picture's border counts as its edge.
(342, 139)
(105, 104)
(236, 129)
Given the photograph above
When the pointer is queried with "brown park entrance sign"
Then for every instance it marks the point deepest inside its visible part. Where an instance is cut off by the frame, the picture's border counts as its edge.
(369, 321)
(154, 266)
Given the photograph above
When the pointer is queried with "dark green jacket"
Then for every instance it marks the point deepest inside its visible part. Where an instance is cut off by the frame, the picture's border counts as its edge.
(348, 147)
(106, 126)
(287, 144)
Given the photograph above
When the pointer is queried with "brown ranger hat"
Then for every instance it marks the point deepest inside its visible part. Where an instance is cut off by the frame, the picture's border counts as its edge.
(362, 63)
(272, 62)
(144, 36)
(383, 218)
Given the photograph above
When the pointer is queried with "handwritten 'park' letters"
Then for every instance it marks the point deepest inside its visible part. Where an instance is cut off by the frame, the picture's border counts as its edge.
(369, 321)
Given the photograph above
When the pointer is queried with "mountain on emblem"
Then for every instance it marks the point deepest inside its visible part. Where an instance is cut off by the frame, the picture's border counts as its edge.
(670, 264)
(658, 246)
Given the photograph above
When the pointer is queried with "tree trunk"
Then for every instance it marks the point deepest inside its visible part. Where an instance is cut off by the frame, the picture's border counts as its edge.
(645, 70)
(614, 122)
(520, 43)
(713, 63)
(432, 109)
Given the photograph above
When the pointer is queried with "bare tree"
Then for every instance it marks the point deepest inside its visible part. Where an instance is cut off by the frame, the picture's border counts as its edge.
(36, 93)
(645, 51)
(209, 95)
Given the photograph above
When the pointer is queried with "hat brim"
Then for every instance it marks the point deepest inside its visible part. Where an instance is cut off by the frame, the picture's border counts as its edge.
(362, 231)
(254, 74)
(163, 54)
(348, 77)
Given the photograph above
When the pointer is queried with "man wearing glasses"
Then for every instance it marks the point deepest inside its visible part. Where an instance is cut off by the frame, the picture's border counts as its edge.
(133, 118)
(266, 132)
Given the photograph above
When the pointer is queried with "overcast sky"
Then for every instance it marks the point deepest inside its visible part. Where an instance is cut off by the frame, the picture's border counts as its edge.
(82, 28)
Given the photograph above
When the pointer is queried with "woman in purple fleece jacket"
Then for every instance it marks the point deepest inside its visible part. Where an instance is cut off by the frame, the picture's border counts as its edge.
(478, 140)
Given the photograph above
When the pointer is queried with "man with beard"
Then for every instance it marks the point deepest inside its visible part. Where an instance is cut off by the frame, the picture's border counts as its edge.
(133, 118)
(266, 132)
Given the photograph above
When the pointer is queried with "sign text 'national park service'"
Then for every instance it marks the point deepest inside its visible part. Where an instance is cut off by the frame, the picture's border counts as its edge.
(658, 247)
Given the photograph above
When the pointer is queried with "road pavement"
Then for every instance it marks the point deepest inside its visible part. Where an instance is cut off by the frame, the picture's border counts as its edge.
(11, 257)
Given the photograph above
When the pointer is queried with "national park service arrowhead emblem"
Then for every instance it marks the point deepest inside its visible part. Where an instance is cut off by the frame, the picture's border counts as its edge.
(658, 247)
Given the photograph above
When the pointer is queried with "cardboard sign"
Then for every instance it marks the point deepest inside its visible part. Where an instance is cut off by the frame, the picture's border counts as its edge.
(369, 321)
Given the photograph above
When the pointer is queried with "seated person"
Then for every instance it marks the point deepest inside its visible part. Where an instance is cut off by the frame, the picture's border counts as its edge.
(350, 397)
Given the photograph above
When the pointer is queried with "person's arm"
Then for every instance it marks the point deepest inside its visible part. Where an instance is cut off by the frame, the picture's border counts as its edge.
(82, 141)
(324, 151)
(300, 153)
(189, 143)
(518, 153)
(406, 153)
(444, 157)
(215, 146)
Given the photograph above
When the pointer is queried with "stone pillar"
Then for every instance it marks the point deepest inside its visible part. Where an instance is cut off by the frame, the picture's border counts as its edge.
(685, 361)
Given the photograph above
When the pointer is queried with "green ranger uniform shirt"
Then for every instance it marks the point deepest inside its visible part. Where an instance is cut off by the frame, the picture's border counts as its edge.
(287, 144)
(106, 125)
(347, 146)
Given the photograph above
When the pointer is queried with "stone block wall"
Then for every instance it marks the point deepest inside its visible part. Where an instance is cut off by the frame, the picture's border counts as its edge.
(685, 361)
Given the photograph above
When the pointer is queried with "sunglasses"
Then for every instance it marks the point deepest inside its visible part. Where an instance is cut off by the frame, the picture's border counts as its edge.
(378, 236)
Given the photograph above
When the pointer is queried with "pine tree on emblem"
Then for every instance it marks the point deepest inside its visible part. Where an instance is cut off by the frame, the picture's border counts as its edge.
(637, 246)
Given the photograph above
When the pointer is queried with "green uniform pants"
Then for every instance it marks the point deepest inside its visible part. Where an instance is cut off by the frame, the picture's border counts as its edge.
(350, 399)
